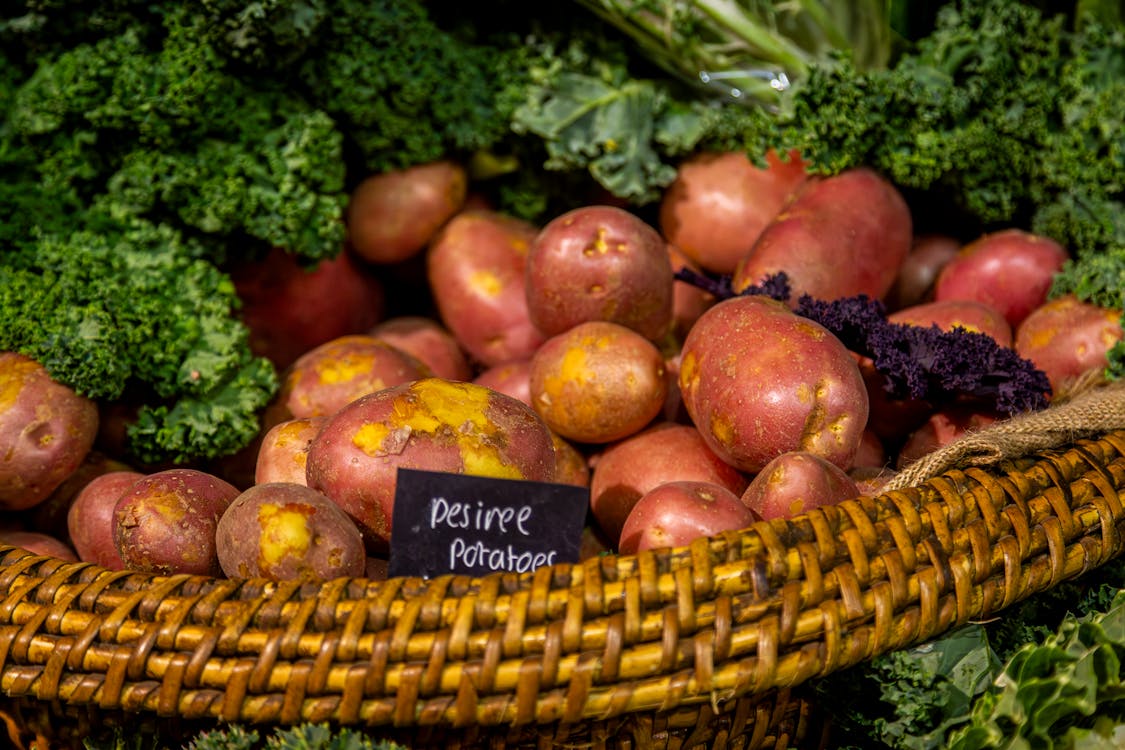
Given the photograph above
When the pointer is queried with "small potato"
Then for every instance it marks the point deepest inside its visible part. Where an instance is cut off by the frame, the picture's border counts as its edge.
(914, 283)
(165, 523)
(597, 382)
(90, 518)
(839, 236)
(46, 431)
(512, 378)
(431, 424)
(335, 373)
(50, 516)
(285, 531)
(664, 452)
(676, 513)
(1011, 269)
(571, 466)
(284, 452)
(688, 300)
(759, 380)
(943, 427)
(796, 482)
(476, 268)
(1066, 337)
(289, 309)
(427, 340)
(948, 314)
(393, 215)
(720, 202)
(599, 263)
(39, 543)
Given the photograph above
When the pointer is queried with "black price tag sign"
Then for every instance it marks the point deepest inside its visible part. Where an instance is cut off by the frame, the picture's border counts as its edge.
(457, 523)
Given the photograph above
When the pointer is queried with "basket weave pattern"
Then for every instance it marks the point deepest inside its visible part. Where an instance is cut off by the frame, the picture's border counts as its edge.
(725, 627)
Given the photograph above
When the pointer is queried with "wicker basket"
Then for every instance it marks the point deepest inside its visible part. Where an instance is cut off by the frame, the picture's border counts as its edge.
(712, 644)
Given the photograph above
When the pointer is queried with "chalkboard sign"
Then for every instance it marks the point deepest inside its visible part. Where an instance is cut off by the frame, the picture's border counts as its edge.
(457, 523)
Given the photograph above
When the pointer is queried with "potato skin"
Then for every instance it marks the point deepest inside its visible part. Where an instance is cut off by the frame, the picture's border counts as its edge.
(676, 513)
(290, 309)
(165, 523)
(842, 235)
(978, 317)
(597, 382)
(46, 431)
(391, 216)
(476, 268)
(664, 452)
(720, 202)
(284, 452)
(38, 543)
(329, 376)
(1066, 337)
(90, 518)
(1010, 269)
(429, 341)
(286, 531)
(432, 424)
(599, 263)
(796, 482)
(759, 380)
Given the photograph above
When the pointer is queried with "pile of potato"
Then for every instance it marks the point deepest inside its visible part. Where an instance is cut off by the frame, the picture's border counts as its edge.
(565, 353)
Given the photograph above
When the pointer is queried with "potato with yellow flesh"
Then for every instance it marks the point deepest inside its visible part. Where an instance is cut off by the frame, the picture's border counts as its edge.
(758, 380)
(431, 424)
(598, 382)
(46, 431)
(165, 522)
(286, 531)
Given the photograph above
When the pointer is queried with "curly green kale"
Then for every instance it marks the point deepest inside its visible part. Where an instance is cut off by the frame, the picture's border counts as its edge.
(133, 311)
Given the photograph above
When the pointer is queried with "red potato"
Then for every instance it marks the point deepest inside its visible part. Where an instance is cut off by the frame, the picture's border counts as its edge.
(284, 452)
(431, 424)
(284, 531)
(676, 513)
(50, 516)
(392, 216)
(90, 518)
(1012, 270)
(289, 309)
(597, 382)
(796, 482)
(943, 427)
(165, 522)
(46, 432)
(871, 451)
(719, 203)
(511, 378)
(39, 543)
(840, 236)
(571, 466)
(948, 314)
(759, 380)
(914, 283)
(1066, 337)
(429, 341)
(335, 373)
(664, 452)
(476, 269)
(599, 263)
(688, 300)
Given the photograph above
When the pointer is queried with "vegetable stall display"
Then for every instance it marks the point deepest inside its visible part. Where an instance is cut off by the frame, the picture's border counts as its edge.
(284, 249)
